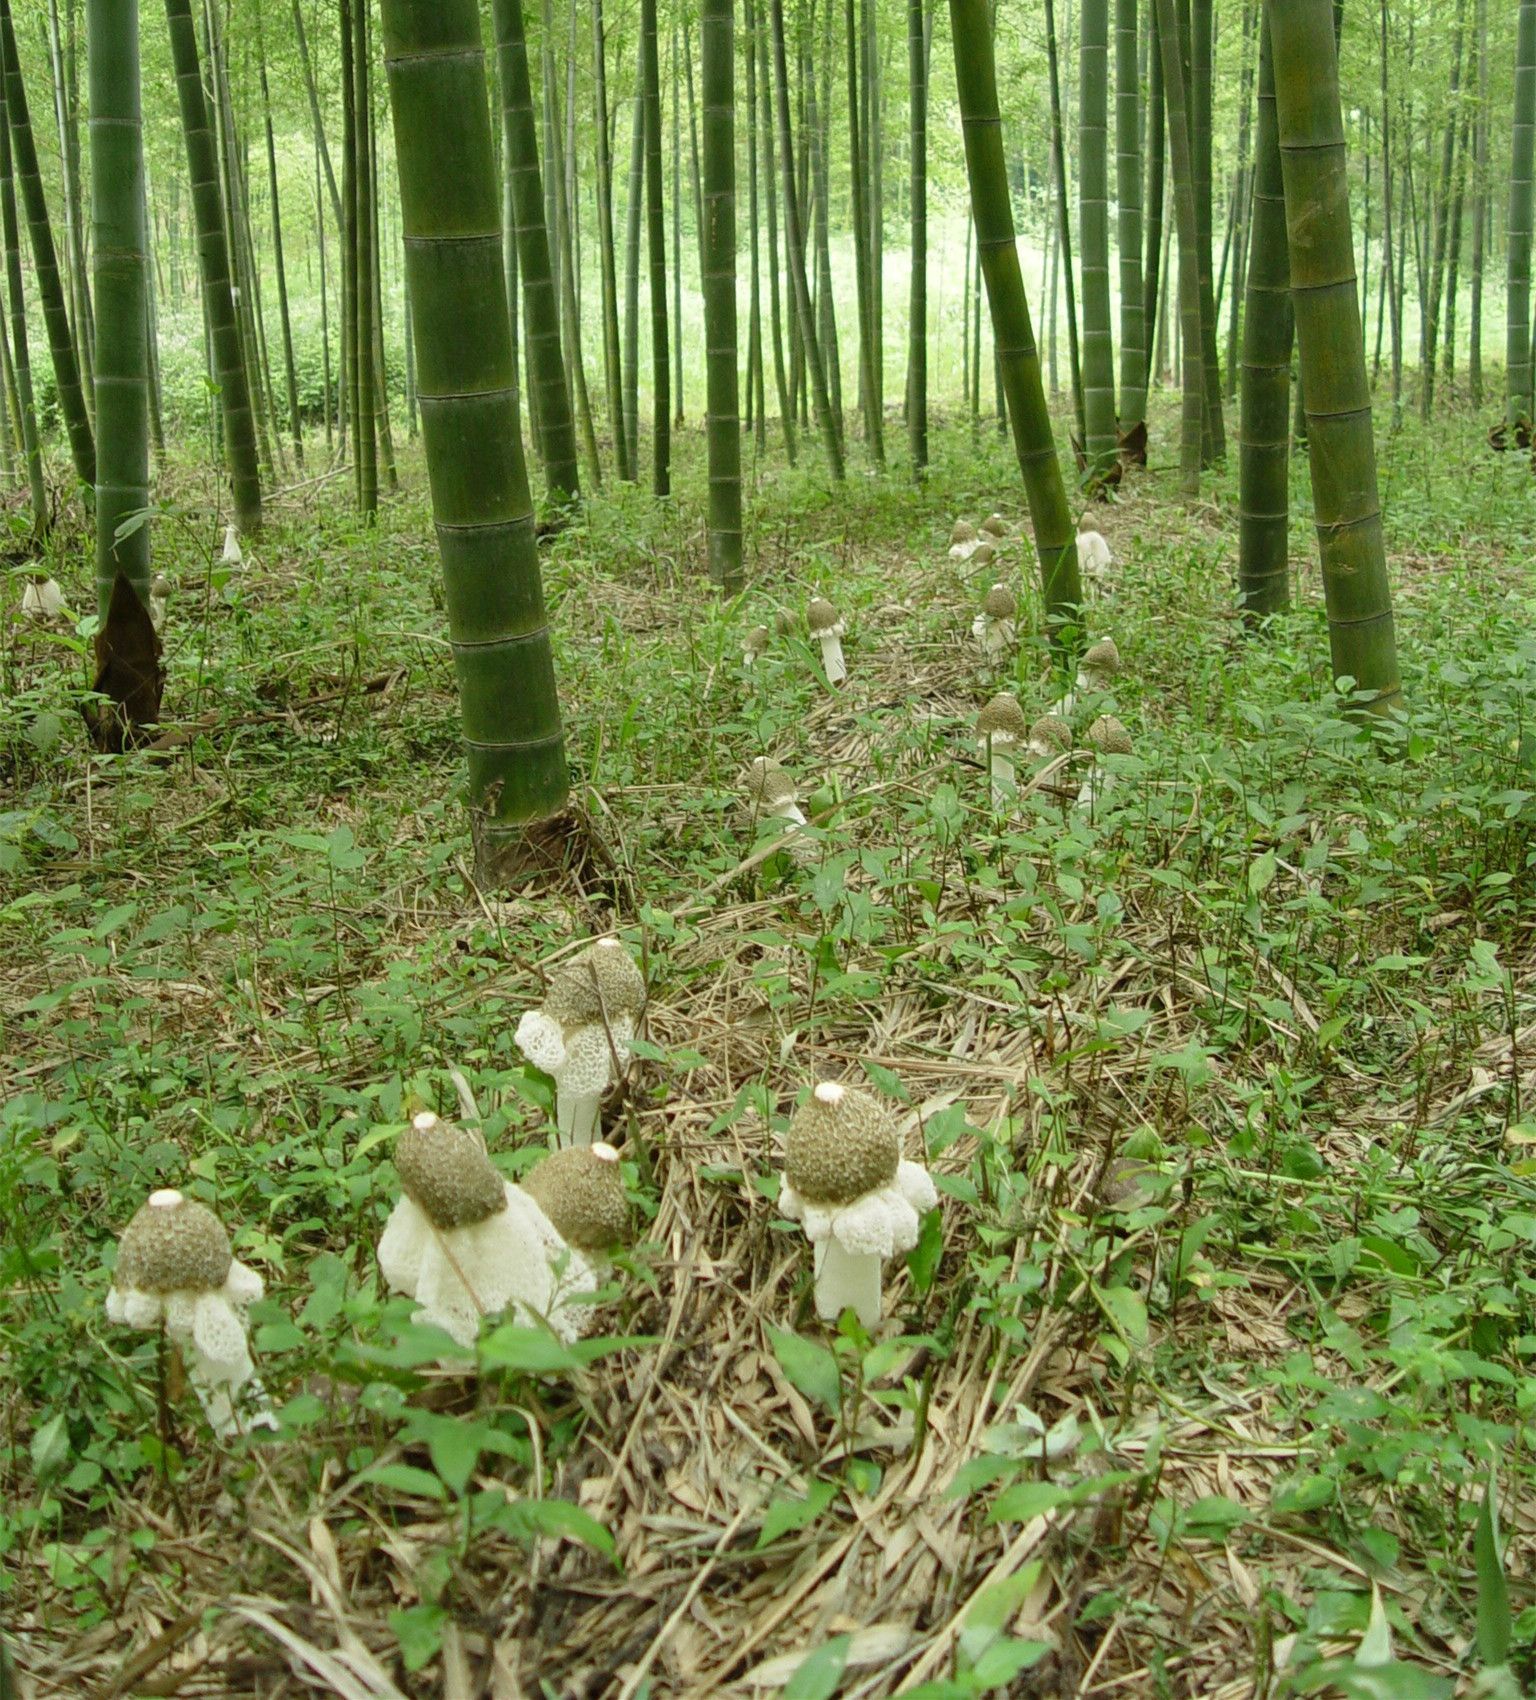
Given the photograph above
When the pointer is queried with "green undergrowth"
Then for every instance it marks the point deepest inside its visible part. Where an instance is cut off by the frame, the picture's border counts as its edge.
(1286, 963)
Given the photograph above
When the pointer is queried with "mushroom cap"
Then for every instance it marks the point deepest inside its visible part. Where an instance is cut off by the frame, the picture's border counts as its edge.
(581, 1191)
(767, 784)
(783, 622)
(995, 525)
(842, 1144)
(1089, 523)
(1000, 603)
(821, 617)
(1102, 658)
(172, 1245)
(1108, 737)
(984, 553)
(446, 1173)
(756, 640)
(1051, 731)
(159, 585)
(602, 979)
(1002, 720)
(963, 532)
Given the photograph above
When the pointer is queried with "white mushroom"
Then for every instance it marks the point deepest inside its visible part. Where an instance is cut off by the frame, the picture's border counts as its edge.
(1000, 730)
(1094, 558)
(962, 541)
(465, 1244)
(994, 627)
(159, 596)
(175, 1268)
(753, 645)
(771, 791)
(1048, 738)
(1097, 671)
(42, 599)
(859, 1202)
(581, 1035)
(826, 626)
(1105, 737)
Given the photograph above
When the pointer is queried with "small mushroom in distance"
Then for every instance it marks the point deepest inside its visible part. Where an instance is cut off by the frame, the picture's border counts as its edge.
(995, 526)
(1094, 557)
(994, 627)
(464, 1243)
(42, 599)
(826, 625)
(581, 1034)
(1000, 730)
(984, 554)
(1097, 671)
(1105, 737)
(175, 1267)
(846, 1182)
(962, 540)
(159, 597)
(753, 645)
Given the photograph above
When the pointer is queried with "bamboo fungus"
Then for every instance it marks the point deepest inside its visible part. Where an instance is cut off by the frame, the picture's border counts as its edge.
(50, 287)
(1055, 535)
(480, 499)
(1328, 332)
(122, 321)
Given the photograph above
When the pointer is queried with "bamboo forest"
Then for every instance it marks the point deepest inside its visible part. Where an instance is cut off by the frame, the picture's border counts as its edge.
(767, 849)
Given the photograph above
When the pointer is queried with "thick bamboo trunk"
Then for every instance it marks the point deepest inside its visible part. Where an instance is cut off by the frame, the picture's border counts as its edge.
(1198, 111)
(24, 404)
(365, 434)
(1192, 359)
(771, 206)
(862, 244)
(480, 498)
(1064, 221)
(1518, 402)
(1101, 439)
(1133, 325)
(633, 224)
(1157, 192)
(917, 309)
(1324, 291)
(656, 252)
(1479, 211)
(1442, 231)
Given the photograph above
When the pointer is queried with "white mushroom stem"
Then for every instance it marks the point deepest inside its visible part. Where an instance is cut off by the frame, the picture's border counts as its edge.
(789, 810)
(1000, 766)
(832, 657)
(847, 1279)
(576, 1117)
(1095, 786)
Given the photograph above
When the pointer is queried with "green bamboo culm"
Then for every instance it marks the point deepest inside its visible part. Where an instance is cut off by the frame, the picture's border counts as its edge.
(718, 251)
(1198, 96)
(1263, 570)
(1520, 401)
(1325, 294)
(917, 314)
(1093, 221)
(213, 262)
(1014, 335)
(1192, 420)
(26, 407)
(50, 287)
(550, 402)
(656, 253)
(1133, 330)
(451, 220)
(118, 275)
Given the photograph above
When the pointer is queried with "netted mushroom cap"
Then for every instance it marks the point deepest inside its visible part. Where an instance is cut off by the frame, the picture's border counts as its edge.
(1000, 603)
(445, 1172)
(172, 1245)
(995, 525)
(601, 980)
(841, 1145)
(821, 618)
(963, 532)
(984, 554)
(581, 1191)
(1002, 721)
(1050, 731)
(756, 641)
(768, 785)
(1107, 737)
(1102, 659)
(783, 622)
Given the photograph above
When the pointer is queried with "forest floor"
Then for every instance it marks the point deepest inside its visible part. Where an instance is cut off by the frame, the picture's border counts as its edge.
(1228, 1431)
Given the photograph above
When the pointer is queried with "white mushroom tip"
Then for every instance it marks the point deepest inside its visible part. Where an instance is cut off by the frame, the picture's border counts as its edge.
(166, 1198)
(603, 1151)
(611, 944)
(828, 1092)
(424, 1122)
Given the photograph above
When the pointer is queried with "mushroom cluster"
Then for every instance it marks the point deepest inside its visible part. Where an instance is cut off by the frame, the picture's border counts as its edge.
(859, 1201)
(581, 1035)
(175, 1270)
(466, 1244)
